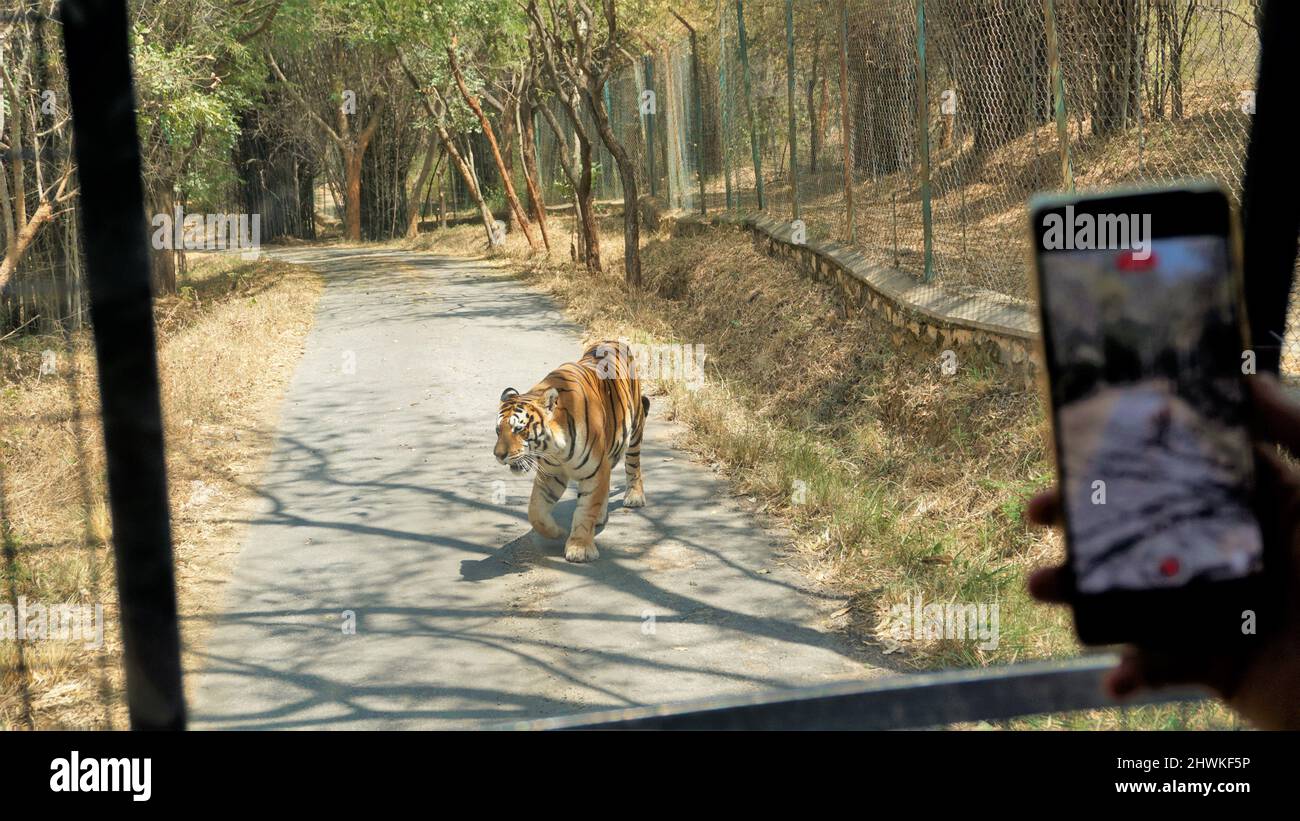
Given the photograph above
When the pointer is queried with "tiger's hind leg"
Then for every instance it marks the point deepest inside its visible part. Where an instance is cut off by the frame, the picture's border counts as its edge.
(635, 496)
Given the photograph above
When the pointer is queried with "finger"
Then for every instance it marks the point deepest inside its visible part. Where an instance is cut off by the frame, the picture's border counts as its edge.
(1277, 494)
(1125, 679)
(1275, 415)
(1276, 481)
(1140, 670)
(1050, 584)
(1045, 508)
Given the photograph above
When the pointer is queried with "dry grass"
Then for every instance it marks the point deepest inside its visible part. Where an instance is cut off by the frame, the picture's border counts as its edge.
(980, 237)
(228, 342)
(470, 240)
(915, 481)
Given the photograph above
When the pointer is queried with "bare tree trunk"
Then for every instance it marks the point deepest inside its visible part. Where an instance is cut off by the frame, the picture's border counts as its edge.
(449, 146)
(352, 195)
(580, 180)
(814, 119)
(525, 131)
(506, 182)
(14, 253)
(1114, 66)
(627, 172)
(414, 201)
(506, 127)
(442, 200)
(471, 183)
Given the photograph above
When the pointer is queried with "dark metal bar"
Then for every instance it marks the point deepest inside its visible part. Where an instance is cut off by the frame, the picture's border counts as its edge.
(1270, 211)
(117, 271)
(894, 703)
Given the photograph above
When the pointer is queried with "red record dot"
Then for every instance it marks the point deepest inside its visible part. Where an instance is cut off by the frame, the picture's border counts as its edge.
(1169, 567)
(1127, 261)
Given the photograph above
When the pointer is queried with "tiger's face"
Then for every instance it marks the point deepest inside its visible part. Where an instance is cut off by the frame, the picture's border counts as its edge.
(526, 429)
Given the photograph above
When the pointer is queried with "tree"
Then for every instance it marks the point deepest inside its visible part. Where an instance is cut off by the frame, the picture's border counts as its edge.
(435, 105)
(350, 142)
(566, 91)
(194, 76)
(36, 187)
(472, 101)
(585, 51)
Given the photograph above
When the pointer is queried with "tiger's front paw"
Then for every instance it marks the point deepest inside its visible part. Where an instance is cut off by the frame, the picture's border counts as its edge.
(635, 498)
(576, 551)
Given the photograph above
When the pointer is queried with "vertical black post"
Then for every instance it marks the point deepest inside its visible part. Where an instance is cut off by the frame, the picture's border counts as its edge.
(117, 270)
(1270, 214)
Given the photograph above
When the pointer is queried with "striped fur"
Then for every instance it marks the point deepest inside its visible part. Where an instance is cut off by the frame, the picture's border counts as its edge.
(575, 426)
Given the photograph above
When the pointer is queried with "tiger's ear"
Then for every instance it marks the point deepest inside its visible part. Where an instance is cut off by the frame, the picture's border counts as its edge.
(508, 393)
(550, 398)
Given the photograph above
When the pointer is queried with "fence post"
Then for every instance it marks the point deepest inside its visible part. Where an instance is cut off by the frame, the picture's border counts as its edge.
(1058, 93)
(606, 178)
(749, 102)
(648, 70)
(789, 105)
(923, 140)
(697, 91)
(1138, 59)
(724, 106)
(698, 82)
(846, 134)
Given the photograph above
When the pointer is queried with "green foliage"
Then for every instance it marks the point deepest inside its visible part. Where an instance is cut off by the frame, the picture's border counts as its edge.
(192, 82)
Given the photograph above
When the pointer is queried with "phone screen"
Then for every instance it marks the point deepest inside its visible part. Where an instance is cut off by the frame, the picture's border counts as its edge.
(1145, 348)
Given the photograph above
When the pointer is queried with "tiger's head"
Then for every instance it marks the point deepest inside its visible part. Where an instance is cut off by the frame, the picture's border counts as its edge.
(527, 428)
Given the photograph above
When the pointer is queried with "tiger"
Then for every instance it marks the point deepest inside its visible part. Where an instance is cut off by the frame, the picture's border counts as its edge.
(574, 426)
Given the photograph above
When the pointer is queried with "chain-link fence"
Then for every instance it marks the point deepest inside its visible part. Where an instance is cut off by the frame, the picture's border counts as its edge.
(653, 112)
(811, 110)
(1153, 90)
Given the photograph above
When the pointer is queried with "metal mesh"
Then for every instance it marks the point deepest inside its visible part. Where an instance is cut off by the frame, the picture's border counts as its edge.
(52, 554)
(1154, 91)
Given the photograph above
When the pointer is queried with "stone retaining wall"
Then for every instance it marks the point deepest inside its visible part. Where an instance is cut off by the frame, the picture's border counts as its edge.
(950, 319)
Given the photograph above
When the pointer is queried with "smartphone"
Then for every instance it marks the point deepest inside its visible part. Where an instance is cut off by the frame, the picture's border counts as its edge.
(1145, 340)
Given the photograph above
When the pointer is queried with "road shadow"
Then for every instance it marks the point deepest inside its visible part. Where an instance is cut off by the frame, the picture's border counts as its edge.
(383, 513)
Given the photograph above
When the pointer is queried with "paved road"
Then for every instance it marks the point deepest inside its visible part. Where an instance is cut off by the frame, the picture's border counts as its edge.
(378, 503)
